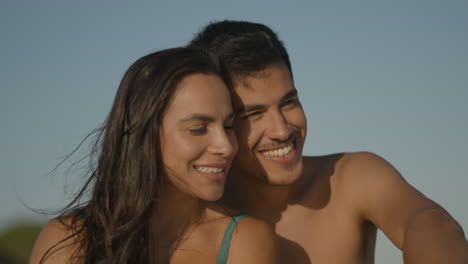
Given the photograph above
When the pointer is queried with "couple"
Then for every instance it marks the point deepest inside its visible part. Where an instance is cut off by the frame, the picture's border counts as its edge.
(161, 191)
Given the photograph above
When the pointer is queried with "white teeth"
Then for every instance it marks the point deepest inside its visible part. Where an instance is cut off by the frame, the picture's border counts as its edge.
(209, 169)
(281, 152)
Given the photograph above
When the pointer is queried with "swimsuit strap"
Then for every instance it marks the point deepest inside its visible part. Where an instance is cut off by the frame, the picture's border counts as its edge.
(224, 250)
(81, 213)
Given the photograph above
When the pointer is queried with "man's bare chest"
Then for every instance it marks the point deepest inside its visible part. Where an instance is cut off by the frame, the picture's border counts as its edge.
(324, 237)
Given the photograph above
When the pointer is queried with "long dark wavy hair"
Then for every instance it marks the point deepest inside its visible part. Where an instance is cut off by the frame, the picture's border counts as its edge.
(114, 225)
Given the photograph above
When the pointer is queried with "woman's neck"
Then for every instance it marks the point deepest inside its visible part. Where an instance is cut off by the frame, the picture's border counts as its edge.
(176, 215)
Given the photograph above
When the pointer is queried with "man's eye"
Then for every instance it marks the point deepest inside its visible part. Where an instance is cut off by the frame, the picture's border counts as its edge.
(291, 103)
(198, 131)
(251, 115)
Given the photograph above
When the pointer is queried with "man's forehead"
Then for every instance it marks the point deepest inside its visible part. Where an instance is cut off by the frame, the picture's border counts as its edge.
(247, 81)
(273, 71)
(247, 92)
(264, 87)
(267, 83)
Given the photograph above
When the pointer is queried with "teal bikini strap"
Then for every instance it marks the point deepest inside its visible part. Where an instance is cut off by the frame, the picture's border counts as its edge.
(223, 252)
(81, 213)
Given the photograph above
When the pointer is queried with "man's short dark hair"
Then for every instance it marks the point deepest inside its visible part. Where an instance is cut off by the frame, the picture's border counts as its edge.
(242, 48)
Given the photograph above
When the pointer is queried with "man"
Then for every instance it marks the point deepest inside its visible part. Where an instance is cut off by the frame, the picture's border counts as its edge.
(324, 209)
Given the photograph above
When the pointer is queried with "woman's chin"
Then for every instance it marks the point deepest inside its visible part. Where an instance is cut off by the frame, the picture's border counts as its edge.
(212, 196)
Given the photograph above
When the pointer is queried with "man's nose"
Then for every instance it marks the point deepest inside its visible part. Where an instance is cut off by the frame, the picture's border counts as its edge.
(278, 127)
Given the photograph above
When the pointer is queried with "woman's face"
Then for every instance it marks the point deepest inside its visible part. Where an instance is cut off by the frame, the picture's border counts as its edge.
(197, 140)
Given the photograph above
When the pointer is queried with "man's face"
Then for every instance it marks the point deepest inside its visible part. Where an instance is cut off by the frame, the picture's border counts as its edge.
(270, 126)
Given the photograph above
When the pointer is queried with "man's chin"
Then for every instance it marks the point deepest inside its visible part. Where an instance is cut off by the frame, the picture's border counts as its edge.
(285, 176)
(269, 171)
(283, 179)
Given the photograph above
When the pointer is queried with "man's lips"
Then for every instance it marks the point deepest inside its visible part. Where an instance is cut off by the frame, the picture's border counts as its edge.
(283, 153)
(279, 151)
(290, 143)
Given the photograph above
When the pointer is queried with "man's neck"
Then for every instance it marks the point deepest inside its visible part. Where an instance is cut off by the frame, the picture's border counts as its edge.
(257, 198)
(267, 201)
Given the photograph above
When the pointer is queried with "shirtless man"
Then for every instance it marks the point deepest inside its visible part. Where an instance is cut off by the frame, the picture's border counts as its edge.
(324, 209)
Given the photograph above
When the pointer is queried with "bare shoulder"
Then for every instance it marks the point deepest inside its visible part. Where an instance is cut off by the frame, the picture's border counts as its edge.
(379, 193)
(357, 168)
(253, 241)
(251, 228)
(345, 168)
(368, 174)
(364, 160)
(56, 243)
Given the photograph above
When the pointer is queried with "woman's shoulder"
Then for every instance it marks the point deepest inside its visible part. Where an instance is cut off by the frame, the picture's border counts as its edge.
(243, 225)
(249, 228)
(253, 241)
(58, 241)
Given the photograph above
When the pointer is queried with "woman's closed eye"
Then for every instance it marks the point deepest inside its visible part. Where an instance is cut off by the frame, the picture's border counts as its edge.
(228, 127)
(198, 130)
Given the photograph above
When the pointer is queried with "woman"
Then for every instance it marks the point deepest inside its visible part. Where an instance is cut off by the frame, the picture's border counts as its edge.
(163, 156)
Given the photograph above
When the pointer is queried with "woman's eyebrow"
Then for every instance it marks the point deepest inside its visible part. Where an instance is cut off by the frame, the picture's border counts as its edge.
(204, 117)
(198, 117)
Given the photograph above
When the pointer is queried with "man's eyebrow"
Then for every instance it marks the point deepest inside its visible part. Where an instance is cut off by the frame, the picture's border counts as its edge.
(253, 107)
(249, 108)
(290, 94)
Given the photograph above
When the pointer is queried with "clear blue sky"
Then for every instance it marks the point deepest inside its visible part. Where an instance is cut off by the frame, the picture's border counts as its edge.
(384, 76)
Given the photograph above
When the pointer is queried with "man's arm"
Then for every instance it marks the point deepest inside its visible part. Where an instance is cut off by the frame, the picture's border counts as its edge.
(421, 228)
(432, 236)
